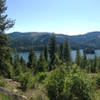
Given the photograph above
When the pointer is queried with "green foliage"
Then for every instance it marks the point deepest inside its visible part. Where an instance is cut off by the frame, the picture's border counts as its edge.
(66, 53)
(5, 62)
(24, 78)
(27, 80)
(98, 64)
(57, 62)
(77, 87)
(4, 97)
(61, 52)
(55, 83)
(41, 76)
(4, 47)
(32, 62)
(32, 82)
(78, 57)
(2, 82)
(17, 67)
(94, 65)
(23, 64)
(84, 60)
(98, 81)
(8, 69)
(4, 22)
(46, 52)
(69, 84)
(42, 64)
(52, 50)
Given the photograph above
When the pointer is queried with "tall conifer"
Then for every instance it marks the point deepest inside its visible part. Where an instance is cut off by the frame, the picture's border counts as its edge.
(84, 61)
(78, 57)
(46, 52)
(32, 61)
(42, 64)
(5, 57)
(52, 50)
(67, 53)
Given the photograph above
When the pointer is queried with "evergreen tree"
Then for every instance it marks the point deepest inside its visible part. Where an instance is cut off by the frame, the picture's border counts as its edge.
(57, 61)
(4, 22)
(5, 56)
(61, 52)
(42, 65)
(78, 57)
(52, 50)
(46, 52)
(23, 64)
(32, 61)
(84, 62)
(67, 53)
(93, 69)
(17, 66)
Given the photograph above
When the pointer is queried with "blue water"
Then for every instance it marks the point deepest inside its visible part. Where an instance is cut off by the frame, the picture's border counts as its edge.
(73, 54)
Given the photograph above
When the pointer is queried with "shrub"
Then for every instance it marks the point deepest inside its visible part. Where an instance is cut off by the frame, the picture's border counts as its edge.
(41, 76)
(32, 82)
(24, 79)
(54, 83)
(76, 88)
(98, 80)
(68, 84)
(27, 80)
(2, 82)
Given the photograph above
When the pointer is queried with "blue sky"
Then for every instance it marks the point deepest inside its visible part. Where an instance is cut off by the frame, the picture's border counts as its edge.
(60, 16)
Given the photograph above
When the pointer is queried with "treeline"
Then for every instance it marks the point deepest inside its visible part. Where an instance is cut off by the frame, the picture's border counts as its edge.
(62, 78)
(37, 39)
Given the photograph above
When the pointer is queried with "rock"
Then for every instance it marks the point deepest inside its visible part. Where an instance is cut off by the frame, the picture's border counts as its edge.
(24, 97)
(15, 90)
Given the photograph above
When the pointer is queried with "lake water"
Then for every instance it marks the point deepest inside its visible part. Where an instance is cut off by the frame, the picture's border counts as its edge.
(73, 54)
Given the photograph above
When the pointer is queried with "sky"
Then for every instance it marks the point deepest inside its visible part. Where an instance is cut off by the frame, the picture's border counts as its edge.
(70, 17)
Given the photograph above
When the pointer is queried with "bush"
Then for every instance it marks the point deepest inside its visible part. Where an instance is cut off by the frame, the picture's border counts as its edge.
(32, 82)
(68, 84)
(78, 85)
(24, 79)
(27, 81)
(2, 82)
(41, 76)
(54, 84)
(77, 88)
(98, 80)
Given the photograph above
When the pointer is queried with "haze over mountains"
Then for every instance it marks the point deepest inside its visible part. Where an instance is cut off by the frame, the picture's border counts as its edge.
(37, 40)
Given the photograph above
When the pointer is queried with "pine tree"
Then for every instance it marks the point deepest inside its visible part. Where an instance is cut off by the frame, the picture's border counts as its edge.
(84, 62)
(46, 52)
(42, 64)
(61, 52)
(4, 22)
(17, 66)
(93, 67)
(78, 57)
(32, 60)
(67, 53)
(23, 64)
(57, 62)
(52, 50)
(5, 55)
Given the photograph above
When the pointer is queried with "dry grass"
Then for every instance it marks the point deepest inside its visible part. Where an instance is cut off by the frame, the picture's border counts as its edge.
(38, 93)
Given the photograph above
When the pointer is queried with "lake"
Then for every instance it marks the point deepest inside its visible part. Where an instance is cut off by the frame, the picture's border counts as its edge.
(73, 54)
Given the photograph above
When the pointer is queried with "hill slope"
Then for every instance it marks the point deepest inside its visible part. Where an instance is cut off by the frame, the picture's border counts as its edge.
(24, 41)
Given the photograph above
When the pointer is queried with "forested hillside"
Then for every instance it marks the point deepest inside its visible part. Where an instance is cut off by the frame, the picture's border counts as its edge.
(24, 41)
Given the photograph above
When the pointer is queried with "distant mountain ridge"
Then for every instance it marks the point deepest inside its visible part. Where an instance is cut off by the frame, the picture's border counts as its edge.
(37, 40)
